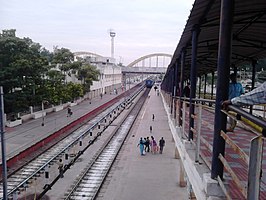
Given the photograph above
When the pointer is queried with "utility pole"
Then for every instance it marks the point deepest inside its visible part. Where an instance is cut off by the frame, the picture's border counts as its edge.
(2, 132)
(112, 35)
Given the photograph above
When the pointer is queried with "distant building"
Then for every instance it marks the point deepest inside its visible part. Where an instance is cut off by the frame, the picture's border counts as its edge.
(110, 78)
(111, 75)
(8, 33)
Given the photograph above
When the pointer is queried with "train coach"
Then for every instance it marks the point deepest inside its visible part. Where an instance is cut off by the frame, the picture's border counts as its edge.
(149, 83)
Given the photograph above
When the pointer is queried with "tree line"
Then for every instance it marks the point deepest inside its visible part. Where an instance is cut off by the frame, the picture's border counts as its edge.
(30, 74)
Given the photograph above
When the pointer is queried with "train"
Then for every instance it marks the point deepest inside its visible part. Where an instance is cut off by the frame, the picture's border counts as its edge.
(149, 83)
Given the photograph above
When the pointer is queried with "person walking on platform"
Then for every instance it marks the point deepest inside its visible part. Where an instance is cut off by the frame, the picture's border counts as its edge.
(69, 112)
(141, 146)
(150, 129)
(155, 88)
(161, 144)
(153, 145)
(235, 90)
(153, 117)
(61, 168)
(147, 145)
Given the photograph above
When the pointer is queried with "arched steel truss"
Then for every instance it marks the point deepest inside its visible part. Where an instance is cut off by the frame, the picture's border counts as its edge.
(79, 53)
(132, 64)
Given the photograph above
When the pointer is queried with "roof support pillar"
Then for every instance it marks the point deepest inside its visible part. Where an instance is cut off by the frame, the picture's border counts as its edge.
(177, 78)
(174, 80)
(175, 89)
(183, 57)
(212, 85)
(223, 72)
(193, 78)
(199, 86)
(205, 85)
(171, 88)
(254, 62)
(234, 69)
(167, 82)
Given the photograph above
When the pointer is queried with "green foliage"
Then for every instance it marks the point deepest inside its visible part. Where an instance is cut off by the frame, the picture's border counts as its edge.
(63, 56)
(28, 74)
(74, 90)
(87, 74)
(21, 70)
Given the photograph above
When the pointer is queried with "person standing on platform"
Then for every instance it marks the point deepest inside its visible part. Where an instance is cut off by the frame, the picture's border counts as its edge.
(186, 91)
(161, 144)
(101, 95)
(235, 90)
(150, 129)
(141, 146)
(61, 168)
(147, 145)
(254, 97)
(153, 117)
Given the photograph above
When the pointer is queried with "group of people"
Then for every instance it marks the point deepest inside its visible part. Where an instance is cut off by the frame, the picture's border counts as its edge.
(238, 97)
(150, 145)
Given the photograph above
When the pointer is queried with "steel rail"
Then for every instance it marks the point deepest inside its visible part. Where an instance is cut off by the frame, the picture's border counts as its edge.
(74, 192)
(45, 162)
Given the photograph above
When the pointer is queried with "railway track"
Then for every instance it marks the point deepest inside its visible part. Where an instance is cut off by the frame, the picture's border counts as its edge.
(22, 177)
(90, 181)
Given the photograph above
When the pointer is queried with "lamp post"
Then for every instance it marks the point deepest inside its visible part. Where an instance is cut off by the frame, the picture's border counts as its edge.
(43, 102)
(2, 132)
(113, 78)
(42, 114)
(112, 35)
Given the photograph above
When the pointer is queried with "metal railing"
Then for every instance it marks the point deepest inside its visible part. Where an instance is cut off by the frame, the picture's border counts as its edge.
(249, 188)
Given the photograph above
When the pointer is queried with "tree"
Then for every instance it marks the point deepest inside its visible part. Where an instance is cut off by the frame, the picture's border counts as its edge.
(64, 58)
(54, 87)
(27, 76)
(87, 74)
(22, 68)
(74, 90)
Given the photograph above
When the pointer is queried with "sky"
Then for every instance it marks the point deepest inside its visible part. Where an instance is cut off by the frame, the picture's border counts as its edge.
(142, 26)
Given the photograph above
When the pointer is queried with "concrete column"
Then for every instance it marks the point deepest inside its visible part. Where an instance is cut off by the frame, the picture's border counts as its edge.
(31, 109)
(254, 62)
(182, 180)
(176, 111)
(177, 155)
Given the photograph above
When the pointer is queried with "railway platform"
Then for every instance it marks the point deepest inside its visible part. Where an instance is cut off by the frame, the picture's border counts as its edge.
(23, 136)
(153, 176)
(149, 177)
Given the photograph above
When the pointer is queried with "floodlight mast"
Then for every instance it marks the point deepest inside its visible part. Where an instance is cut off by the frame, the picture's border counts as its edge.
(112, 35)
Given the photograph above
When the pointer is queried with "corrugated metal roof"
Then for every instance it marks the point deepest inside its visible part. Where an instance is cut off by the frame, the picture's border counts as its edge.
(249, 34)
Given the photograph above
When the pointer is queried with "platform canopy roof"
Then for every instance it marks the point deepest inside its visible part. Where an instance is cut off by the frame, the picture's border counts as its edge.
(248, 41)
